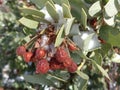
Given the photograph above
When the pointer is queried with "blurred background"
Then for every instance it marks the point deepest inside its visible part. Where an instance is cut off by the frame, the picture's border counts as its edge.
(13, 67)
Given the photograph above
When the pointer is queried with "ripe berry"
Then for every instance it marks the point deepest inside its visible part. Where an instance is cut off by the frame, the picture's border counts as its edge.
(72, 68)
(1, 1)
(61, 54)
(27, 56)
(40, 53)
(33, 59)
(54, 64)
(20, 50)
(42, 66)
(72, 47)
(67, 62)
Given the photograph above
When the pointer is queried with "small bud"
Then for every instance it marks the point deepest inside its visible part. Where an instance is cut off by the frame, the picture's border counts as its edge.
(72, 47)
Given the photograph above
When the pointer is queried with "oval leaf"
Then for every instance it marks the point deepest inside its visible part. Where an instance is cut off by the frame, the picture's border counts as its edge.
(29, 23)
(95, 8)
(68, 25)
(83, 18)
(60, 37)
(30, 11)
(66, 11)
(52, 11)
(110, 8)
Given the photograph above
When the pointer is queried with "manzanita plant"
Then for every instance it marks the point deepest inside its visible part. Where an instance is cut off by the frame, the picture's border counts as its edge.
(66, 47)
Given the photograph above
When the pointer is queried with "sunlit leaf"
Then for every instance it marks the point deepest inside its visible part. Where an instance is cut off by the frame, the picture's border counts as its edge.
(110, 21)
(110, 8)
(74, 30)
(66, 2)
(83, 18)
(68, 25)
(52, 11)
(95, 8)
(30, 11)
(39, 3)
(60, 37)
(29, 23)
(115, 58)
(87, 41)
(66, 11)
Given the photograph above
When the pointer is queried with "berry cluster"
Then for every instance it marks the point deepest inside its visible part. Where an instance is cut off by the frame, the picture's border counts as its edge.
(45, 56)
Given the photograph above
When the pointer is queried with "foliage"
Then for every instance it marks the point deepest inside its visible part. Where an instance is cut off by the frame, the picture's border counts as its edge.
(91, 26)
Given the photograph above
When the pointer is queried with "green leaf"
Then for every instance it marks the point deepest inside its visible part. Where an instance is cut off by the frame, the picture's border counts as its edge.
(39, 3)
(110, 8)
(29, 23)
(77, 5)
(52, 11)
(27, 38)
(68, 25)
(104, 49)
(81, 80)
(38, 79)
(117, 3)
(28, 31)
(62, 74)
(38, 19)
(95, 8)
(111, 35)
(102, 70)
(60, 37)
(76, 57)
(110, 21)
(66, 2)
(87, 41)
(82, 75)
(57, 1)
(98, 58)
(81, 54)
(115, 58)
(83, 18)
(74, 30)
(66, 11)
(30, 11)
(51, 1)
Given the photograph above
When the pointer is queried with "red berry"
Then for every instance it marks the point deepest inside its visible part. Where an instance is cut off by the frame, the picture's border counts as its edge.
(33, 59)
(72, 68)
(42, 66)
(67, 62)
(20, 50)
(27, 56)
(61, 54)
(72, 47)
(40, 53)
(54, 64)
(1, 1)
